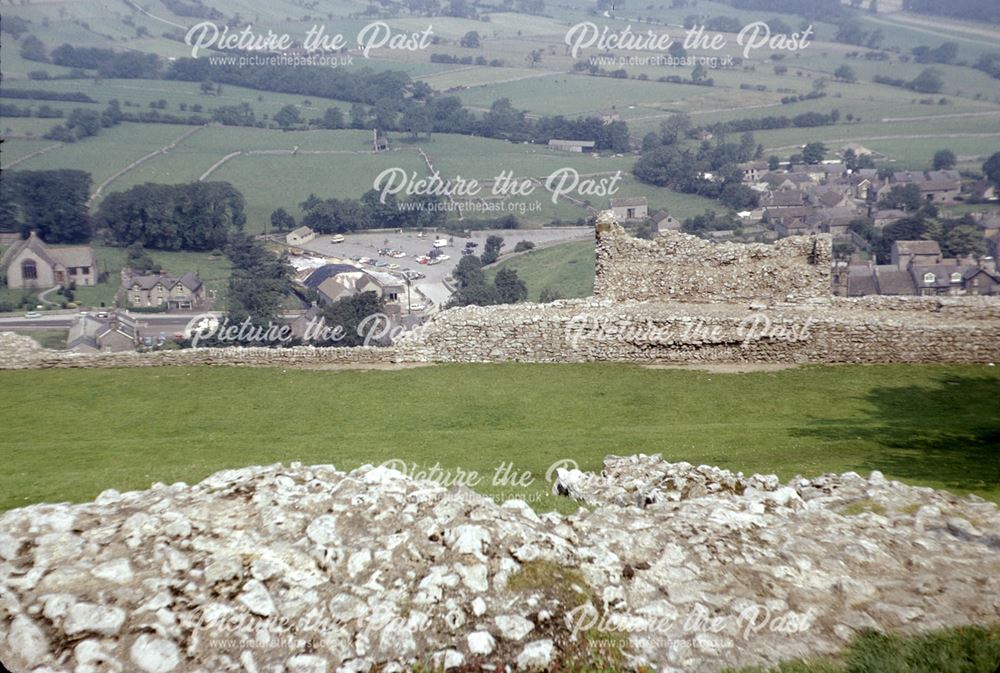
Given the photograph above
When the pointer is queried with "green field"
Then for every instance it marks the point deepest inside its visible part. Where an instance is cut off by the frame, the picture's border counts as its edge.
(566, 269)
(933, 425)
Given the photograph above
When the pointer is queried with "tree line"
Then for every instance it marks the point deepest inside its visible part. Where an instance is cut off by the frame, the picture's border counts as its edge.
(389, 100)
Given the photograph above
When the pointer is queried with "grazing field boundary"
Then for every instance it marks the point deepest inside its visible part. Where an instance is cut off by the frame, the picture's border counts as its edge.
(36, 153)
(138, 162)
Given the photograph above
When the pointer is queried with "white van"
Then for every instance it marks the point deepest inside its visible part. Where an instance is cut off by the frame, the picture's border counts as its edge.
(337, 238)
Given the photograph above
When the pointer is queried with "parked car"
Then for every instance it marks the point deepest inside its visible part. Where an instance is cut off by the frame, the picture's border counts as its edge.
(366, 260)
(32, 314)
(337, 238)
(398, 254)
(381, 264)
(440, 242)
(423, 259)
(392, 266)
(435, 260)
(471, 244)
(443, 258)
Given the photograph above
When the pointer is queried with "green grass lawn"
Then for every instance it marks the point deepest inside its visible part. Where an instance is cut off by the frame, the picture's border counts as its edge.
(567, 269)
(966, 649)
(54, 339)
(69, 434)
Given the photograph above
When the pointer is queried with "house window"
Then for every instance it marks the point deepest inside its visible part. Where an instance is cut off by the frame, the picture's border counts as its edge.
(84, 270)
(393, 296)
(29, 271)
(956, 277)
(929, 278)
(630, 214)
(72, 270)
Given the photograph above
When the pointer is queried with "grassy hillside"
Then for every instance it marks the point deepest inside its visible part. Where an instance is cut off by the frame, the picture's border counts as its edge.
(933, 425)
(567, 269)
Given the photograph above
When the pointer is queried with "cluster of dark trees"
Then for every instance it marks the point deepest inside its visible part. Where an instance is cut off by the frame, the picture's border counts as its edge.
(337, 216)
(108, 63)
(929, 80)
(397, 102)
(37, 94)
(466, 60)
(51, 203)
(708, 221)
(975, 10)
(194, 8)
(15, 26)
(990, 64)
(804, 120)
(945, 53)
(194, 216)
(816, 10)
(41, 112)
(506, 288)
(666, 165)
(361, 85)
(956, 236)
(258, 285)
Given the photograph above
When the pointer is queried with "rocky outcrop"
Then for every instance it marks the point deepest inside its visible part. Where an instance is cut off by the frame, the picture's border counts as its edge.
(307, 570)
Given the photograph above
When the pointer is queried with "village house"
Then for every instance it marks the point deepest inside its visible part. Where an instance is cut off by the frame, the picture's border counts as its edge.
(299, 236)
(904, 254)
(881, 218)
(31, 263)
(664, 221)
(630, 208)
(953, 277)
(753, 171)
(334, 282)
(934, 186)
(161, 290)
(90, 334)
(832, 196)
(834, 221)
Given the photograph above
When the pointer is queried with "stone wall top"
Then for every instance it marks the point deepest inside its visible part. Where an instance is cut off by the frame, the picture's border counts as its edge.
(680, 267)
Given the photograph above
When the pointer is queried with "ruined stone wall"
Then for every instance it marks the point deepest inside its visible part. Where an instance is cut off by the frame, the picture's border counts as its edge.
(306, 569)
(830, 330)
(22, 352)
(866, 330)
(680, 267)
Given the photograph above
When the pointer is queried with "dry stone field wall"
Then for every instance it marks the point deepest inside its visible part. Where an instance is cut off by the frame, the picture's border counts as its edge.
(298, 569)
(681, 267)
